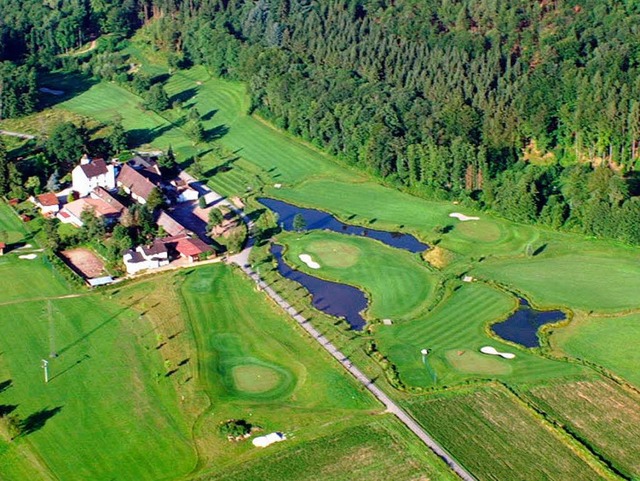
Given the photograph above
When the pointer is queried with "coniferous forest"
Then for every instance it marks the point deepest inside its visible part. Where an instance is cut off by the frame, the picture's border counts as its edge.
(531, 109)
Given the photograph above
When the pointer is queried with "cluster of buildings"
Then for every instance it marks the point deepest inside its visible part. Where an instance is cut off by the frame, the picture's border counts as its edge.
(94, 184)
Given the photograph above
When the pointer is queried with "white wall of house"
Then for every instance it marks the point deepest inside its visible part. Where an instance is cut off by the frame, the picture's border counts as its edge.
(152, 262)
(84, 185)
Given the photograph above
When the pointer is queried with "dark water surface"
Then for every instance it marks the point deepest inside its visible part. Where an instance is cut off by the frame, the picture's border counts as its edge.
(319, 220)
(522, 326)
(339, 300)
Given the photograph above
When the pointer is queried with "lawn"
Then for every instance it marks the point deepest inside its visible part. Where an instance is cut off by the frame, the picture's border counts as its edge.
(397, 282)
(602, 279)
(454, 331)
(98, 416)
(22, 279)
(611, 342)
(11, 225)
(498, 438)
(604, 415)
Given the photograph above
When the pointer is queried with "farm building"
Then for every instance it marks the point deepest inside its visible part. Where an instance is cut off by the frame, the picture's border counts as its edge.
(72, 212)
(47, 203)
(135, 184)
(170, 225)
(92, 173)
(146, 257)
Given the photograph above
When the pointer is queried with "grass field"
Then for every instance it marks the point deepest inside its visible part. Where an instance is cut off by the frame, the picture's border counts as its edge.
(376, 451)
(102, 402)
(398, 284)
(11, 225)
(603, 414)
(455, 331)
(610, 342)
(497, 438)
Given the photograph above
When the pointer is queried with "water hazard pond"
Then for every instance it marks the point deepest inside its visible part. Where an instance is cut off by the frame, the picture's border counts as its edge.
(333, 298)
(522, 326)
(319, 220)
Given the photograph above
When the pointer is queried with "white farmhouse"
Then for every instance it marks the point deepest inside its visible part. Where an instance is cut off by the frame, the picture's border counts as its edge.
(92, 173)
(146, 257)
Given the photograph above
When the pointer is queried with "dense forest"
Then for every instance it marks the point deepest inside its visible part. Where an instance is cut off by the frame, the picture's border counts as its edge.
(531, 109)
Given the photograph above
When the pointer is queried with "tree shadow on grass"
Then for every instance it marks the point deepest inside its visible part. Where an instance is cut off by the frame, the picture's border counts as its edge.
(539, 250)
(4, 385)
(183, 96)
(6, 409)
(226, 166)
(147, 136)
(71, 84)
(216, 133)
(37, 420)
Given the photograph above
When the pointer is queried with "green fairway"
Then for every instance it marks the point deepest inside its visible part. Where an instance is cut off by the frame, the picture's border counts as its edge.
(610, 342)
(399, 285)
(103, 402)
(454, 331)
(599, 280)
(22, 279)
(11, 225)
(498, 438)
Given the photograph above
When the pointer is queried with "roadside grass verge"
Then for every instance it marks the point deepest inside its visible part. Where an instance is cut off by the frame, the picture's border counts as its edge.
(497, 437)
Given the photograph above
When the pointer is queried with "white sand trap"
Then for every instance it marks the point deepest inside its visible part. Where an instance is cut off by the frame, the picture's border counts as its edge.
(28, 256)
(51, 91)
(264, 441)
(306, 258)
(494, 352)
(463, 217)
(26, 246)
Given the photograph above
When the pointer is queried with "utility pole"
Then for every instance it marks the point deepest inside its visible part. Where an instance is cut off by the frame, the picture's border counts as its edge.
(45, 366)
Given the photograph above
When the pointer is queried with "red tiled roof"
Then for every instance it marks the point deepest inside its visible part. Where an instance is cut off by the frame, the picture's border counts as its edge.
(2, 245)
(170, 225)
(48, 200)
(99, 206)
(192, 247)
(135, 182)
(94, 168)
(108, 198)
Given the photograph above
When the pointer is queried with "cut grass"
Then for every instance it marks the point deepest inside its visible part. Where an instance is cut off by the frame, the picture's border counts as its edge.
(609, 342)
(103, 402)
(399, 285)
(602, 414)
(598, 280)
(379, 450)
(455, 330)
(22, 279)
(497, 438)
(11, 225)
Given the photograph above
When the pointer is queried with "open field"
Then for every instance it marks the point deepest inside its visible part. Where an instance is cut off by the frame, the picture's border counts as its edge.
(397, 283)
(602, 414)
(22, 279)
(455, 331)
(96, 417)
(498, 438)
(11, 225)
(379, 450)
(611, 342)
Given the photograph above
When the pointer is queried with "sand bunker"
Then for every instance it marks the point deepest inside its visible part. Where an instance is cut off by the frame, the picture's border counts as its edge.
(264, 441)
(462, 217)
(28, 256)
(494, 352)
(306, 258)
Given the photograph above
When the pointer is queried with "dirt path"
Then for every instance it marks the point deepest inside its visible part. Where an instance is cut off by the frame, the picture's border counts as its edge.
(37, 299)
(17, 134)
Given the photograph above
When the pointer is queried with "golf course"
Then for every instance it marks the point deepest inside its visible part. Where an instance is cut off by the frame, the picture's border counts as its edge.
(145, 372)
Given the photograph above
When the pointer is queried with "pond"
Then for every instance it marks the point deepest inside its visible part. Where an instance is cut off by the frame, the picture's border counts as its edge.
(319, 220)
(522, 326)
(333, 298)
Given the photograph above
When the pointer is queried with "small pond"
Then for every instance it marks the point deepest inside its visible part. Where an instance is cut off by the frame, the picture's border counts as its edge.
(522, 326)
(319, 220)
(339, 300)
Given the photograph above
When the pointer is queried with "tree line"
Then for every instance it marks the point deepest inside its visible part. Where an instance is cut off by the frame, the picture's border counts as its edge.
(527, 108)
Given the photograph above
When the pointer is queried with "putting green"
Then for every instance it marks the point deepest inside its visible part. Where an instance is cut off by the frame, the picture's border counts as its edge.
(335, 254)
(479, 230)
(471, 362)
(252, 378)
